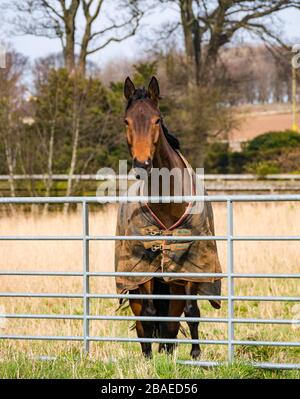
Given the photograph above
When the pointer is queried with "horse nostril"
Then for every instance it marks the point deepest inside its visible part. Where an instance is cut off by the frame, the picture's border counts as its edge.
(142, 165)
(148, 164)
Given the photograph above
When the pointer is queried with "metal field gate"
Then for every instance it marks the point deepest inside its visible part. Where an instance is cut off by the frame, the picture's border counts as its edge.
(85, 295)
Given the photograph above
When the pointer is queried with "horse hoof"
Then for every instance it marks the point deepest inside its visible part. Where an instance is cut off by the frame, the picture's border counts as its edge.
(162, 348)
(167, 348)
(195, 353)
(147, 355)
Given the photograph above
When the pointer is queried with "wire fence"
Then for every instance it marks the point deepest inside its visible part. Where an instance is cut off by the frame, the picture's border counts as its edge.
(85, 295)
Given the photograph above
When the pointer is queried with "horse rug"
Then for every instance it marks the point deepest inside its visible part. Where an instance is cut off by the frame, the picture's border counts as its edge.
(198, 256)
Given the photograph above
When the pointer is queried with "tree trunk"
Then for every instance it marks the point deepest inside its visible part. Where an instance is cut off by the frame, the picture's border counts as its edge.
(84, 49)
(192, 40)
(69, 53)
(197, 51)
(10, 159)
(70, 28)
(10, 155)
(187, 16)
(49, 179)
(73, 162)
(11, 167)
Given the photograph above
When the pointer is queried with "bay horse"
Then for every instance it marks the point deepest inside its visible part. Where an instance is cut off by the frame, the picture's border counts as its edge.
(152, 146)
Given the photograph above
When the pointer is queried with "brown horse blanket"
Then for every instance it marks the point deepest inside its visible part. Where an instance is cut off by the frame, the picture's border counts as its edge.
(166, 256)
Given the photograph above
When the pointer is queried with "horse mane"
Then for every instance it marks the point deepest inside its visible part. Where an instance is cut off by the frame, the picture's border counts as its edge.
(142, 94)
(172, 140)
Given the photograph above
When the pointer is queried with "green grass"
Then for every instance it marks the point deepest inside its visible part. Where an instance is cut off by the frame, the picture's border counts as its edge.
(129, 363)
(74, 365)
(19, 358)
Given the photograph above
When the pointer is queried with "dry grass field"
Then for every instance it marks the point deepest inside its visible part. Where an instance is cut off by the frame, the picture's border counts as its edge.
(123, 359)
(259, 119)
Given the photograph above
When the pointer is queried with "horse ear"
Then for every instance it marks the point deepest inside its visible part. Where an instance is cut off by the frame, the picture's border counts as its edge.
(153, 90)
(129, 88)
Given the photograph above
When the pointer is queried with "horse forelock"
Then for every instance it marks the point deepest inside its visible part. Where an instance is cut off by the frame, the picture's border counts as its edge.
(139, 94)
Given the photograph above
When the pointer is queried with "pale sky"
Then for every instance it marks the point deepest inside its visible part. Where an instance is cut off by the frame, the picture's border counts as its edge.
(35, 47)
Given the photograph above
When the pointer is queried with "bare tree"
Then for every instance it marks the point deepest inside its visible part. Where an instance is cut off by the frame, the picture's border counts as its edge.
(11, 119)
(46, 130)
(62, 19)
(208, 25)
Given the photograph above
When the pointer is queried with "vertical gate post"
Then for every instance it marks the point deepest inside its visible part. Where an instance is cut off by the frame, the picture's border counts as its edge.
(230, 282)
(86, 286)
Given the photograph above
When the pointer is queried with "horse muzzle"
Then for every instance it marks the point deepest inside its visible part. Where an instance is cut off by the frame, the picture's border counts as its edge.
(140, 168)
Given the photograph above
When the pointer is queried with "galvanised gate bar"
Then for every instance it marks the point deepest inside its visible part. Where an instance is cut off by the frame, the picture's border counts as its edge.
(85, 295)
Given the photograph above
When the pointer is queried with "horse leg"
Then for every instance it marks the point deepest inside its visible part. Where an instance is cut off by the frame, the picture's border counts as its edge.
(170, 329)
(148, 309)
(192, 310)
(136, 307)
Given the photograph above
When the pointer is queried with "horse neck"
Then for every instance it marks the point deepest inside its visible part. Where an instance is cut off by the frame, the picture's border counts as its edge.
(166, 157)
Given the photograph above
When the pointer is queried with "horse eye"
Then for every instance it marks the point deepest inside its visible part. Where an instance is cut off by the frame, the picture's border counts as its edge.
(157, 121)
(126, 122)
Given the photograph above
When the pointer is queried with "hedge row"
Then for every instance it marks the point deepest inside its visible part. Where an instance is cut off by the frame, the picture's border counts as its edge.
(272, 152)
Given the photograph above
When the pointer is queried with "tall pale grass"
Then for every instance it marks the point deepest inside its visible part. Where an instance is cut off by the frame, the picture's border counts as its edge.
(249, 257)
